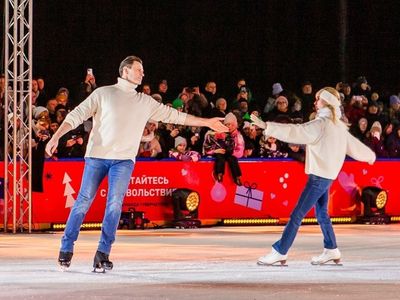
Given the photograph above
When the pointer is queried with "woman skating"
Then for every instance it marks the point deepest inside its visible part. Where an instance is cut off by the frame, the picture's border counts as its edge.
(327, 143)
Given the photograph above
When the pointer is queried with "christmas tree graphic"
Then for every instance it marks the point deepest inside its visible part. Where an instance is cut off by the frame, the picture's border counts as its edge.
(69, 191)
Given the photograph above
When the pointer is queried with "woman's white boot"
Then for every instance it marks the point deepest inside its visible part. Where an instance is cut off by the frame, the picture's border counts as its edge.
(272, 258)
(327, 256)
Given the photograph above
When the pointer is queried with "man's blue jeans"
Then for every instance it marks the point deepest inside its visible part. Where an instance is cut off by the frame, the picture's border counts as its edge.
(315, 193)
(119, 174)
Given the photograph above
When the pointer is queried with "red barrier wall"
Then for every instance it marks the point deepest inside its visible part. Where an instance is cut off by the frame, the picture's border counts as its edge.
(271, 189)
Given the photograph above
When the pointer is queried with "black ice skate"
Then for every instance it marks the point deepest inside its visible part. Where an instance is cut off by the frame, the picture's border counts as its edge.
(64, 259)
(101, 263)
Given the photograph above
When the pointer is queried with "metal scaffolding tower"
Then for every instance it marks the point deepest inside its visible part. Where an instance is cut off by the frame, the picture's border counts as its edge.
(18, 115)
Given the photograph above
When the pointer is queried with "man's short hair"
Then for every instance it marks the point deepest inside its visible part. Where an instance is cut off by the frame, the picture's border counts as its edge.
(128, 62)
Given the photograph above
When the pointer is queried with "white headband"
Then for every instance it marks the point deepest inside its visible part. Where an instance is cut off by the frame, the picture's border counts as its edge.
(329, 98)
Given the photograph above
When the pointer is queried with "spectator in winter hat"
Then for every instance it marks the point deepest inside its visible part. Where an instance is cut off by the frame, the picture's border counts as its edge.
(242, 94)
(361, 80)
(270, 103)
(360, 130)
(180, 153)
(394, 109)
(281, 109)
(149, 144)
(39, 111)
(157, 97)
(361, 87)
(283, 100)
(374, 113)
(394, 99)
(230, 118)
(180, 141)
(220, 108)
(375, 140)
(243, 106)
(376, 127)
(276, 89)
(251, 135)
(178, 104)
(226, 147)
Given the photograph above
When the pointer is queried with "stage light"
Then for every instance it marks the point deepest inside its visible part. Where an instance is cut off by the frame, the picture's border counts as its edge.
(337, 220)
(246, 222)
(186, 203)
(87, 226)
(395, 219)
(374, 200)
(132, 219)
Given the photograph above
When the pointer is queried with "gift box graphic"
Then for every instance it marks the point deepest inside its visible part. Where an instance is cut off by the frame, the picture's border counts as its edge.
(247, 195)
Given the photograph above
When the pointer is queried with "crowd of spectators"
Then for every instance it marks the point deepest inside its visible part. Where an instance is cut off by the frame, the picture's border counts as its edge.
(373, 117)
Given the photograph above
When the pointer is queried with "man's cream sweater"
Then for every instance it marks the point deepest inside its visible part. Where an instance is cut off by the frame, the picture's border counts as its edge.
(119, 117)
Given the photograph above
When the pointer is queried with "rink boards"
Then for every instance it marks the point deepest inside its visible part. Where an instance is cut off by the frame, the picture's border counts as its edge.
(270, 190)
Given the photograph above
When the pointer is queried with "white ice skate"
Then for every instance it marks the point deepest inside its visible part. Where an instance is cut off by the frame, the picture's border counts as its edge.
(272, 259)
(328, 255)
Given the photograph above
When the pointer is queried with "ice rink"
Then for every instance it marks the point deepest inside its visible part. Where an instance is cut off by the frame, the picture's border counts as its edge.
(205, 263)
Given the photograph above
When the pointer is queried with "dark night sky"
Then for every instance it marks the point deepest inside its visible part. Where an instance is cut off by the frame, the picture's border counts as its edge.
(190, 42)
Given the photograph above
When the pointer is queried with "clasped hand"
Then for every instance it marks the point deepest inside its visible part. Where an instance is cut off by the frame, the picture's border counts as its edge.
(258, 122)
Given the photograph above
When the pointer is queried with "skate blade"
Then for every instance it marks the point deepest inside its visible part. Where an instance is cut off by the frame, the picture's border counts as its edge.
(331, 262)
(63, 268)
(280, 263)
(99, 270)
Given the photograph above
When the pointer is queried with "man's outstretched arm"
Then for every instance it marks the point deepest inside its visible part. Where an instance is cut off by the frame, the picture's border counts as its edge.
(51, 146)
(213, 123)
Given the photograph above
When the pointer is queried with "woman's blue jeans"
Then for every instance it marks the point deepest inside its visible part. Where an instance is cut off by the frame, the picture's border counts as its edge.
(119, 175)
(315, 193)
